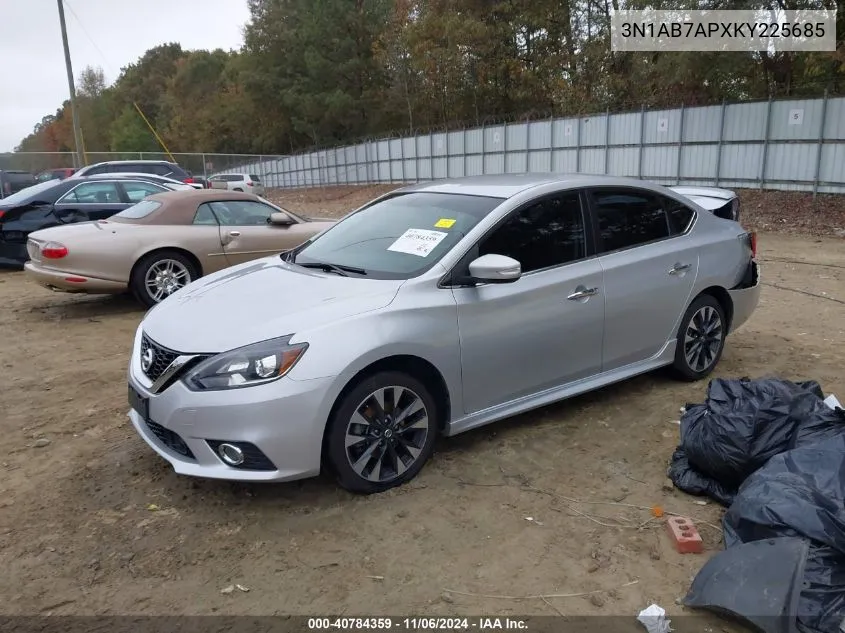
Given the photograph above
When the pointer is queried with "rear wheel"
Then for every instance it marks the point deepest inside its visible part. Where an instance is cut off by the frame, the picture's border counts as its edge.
(158, 275)
(701, 339)
(238, 189)
(382, 433)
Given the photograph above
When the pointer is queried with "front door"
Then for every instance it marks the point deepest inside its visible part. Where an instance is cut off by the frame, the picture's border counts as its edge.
(247, 234)
(650, 266)
(89, 201)
(543, 330)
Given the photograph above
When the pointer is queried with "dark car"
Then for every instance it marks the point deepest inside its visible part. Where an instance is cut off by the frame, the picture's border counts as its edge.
(56, 174)
(12, 181)
(158, 167)
(58, 202)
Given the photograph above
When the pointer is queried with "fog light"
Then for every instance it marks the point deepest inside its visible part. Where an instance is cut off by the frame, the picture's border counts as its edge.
(231, 454)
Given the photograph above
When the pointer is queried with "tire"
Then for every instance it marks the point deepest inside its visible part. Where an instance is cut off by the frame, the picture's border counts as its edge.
(694, 358)
(238, 189)
(397, 449)
(182, 272)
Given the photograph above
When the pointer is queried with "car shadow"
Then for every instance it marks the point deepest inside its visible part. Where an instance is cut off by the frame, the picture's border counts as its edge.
(92, 308)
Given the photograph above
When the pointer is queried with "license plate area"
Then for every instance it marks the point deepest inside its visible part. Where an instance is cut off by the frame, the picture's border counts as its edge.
(139, 404)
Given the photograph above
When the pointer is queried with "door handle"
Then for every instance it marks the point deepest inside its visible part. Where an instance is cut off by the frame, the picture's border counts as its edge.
(235, 233)
(678, 268)
(582, 292)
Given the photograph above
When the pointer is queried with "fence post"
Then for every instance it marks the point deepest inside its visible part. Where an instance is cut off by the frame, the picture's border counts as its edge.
(642, 140)
(551, 143)
(448, 151)
(578, 145)
(466, 151)
(719, 147)
(606, 140)
(680, 148)
(402, 157)
(204, 168)
(820, 146)
(431, 154)
(389, 162)
(505, 148)
(483, 149)
(766, 144)
(261, 171)
(140, 155)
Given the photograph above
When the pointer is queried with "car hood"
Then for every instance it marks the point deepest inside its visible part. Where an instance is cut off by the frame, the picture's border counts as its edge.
(260, 300)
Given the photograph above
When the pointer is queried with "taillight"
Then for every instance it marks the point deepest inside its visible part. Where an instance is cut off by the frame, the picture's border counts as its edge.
(249, 184)
(188, 181)
(54, 250)
(752, 242)
(2, 213)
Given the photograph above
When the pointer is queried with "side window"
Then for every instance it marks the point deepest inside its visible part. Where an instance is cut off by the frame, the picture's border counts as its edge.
(680, 215)
(102, 169)
(548, 233)
(628, 218)
(137, 191)
(242, 213)
(92, 193)
(123, 168)
(205, 215)
(161, 170)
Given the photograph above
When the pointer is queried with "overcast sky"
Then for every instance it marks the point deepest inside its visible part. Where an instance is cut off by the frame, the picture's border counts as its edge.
(35, 82)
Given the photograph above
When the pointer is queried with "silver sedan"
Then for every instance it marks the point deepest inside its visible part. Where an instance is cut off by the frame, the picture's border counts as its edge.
(430, 311)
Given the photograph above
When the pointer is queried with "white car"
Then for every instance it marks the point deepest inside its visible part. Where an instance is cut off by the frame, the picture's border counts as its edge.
(248, 183)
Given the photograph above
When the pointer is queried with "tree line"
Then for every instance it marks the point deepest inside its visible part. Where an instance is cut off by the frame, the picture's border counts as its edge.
(324, 72)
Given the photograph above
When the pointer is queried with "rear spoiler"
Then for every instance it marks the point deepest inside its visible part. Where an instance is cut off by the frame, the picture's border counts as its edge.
(722, 203)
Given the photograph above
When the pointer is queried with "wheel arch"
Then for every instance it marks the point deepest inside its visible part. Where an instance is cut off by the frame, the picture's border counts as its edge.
(721, 295)
(161, 249)
(415, 366)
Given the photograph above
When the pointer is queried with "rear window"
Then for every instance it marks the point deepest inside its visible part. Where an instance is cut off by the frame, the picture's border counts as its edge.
(138, 211)
(254, 177)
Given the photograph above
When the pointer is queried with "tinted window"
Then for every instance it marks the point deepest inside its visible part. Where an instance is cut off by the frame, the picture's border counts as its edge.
(101, 169)
(680, 216)
(204, 215)
(92, 193)
(140, 210)
(627, 218)
(137, 191)
(254, 177)
(548, 233)
(242, 213)
(401, 236)
(31, 193)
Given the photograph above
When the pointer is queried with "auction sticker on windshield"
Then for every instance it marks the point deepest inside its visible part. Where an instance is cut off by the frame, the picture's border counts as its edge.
(418, 242)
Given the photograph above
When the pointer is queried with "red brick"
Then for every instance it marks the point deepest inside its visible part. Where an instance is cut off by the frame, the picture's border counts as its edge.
(684, 535)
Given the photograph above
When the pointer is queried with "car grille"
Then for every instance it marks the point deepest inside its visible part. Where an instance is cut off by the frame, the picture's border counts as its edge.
(162, 357)
(170, 439)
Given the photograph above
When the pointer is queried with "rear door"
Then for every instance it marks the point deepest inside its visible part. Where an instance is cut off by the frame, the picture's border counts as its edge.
(247, 234)
(650, 265)
(90, 201)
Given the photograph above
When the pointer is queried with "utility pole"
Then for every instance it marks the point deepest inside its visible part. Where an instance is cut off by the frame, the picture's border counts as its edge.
(77, 132)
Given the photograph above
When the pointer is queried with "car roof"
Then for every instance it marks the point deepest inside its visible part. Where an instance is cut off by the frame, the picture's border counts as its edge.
(179, 207)
(139, 161)
(509, 185)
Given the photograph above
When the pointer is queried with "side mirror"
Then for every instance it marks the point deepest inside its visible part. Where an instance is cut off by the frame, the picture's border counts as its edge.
(495, 269)
(280, 219)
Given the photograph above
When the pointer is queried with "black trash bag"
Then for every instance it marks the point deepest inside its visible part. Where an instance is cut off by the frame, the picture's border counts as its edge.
(800, 493)
(758, 582)
(693, 482)
(742, 424)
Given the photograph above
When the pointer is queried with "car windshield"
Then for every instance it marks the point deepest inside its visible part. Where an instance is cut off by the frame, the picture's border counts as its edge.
(30, 193)
(399, 237)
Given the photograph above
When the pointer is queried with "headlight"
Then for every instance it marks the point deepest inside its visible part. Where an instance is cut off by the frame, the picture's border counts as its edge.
(246, 366)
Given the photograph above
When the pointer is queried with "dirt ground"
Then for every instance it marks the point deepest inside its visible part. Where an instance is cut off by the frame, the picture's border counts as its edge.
(552, 502)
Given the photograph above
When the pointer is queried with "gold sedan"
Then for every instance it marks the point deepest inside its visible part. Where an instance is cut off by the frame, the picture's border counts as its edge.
(163, 243)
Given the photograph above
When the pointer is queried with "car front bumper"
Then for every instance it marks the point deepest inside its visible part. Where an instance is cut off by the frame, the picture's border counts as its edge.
(71, 282)
(284, 420)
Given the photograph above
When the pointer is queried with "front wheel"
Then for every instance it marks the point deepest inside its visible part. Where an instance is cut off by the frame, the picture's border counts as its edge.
(701, 339)
(382, 433)
(159, 275)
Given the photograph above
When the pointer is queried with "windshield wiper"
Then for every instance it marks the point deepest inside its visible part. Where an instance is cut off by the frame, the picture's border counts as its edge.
(334, 268)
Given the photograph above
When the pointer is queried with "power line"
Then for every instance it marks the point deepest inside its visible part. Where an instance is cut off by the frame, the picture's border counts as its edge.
(87, 34)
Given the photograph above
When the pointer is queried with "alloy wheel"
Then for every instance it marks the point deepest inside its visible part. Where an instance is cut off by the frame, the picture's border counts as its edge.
(165, 277)
(386, 434)
(703, 338)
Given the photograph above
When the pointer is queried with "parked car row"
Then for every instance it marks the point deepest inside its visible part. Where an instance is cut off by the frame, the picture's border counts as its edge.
(432, 310)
